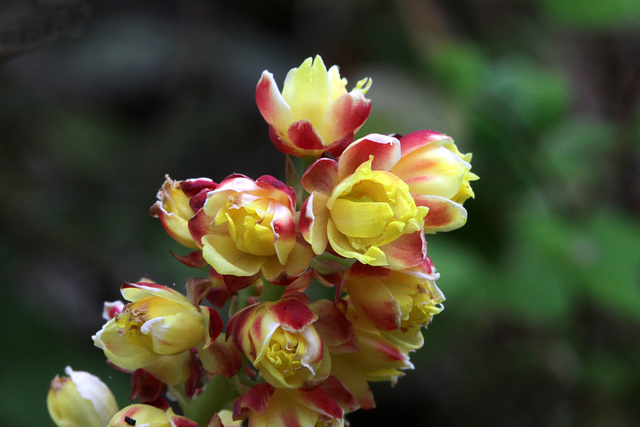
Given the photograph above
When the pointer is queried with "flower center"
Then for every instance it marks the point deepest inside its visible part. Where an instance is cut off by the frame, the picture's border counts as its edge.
(285, 352)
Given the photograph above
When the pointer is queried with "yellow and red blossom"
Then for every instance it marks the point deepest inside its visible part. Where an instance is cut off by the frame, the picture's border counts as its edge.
(314, 113)
(438, 176)
(177, 202)
(359, 208)
(279, 339)
(395, 299)
(156, 330)
(80, 399)
(149, 416)
(247, 227)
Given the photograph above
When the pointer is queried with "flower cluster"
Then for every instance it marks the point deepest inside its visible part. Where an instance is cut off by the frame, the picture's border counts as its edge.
(312, 288)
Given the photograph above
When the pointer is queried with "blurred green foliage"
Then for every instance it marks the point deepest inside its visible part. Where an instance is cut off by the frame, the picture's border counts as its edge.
(542, 315)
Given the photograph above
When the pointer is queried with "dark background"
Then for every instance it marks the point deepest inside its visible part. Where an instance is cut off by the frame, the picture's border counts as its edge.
(101, 99)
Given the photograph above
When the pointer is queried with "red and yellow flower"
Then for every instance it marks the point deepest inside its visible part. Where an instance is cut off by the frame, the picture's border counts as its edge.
(80, 399)
(361, 209)
(279, 339)
(314, 113)
(247, 227)
(156, 330)
(177, 202)
(438, 176)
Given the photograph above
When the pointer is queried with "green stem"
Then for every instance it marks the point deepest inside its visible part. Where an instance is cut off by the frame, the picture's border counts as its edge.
(212, 400)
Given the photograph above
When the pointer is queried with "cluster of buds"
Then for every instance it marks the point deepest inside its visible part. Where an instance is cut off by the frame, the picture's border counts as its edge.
(312, 288)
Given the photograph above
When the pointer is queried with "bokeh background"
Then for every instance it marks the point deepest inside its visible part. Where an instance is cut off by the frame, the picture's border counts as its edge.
(100, 99)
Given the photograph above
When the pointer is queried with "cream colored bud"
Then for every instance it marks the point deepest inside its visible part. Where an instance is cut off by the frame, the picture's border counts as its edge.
(80, 399)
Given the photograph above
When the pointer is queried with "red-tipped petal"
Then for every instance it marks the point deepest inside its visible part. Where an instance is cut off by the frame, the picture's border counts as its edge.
(346, 115)
(444, 214)
(418, 139)
(272, 105)
(406, 251)
(256, 399)
(193, 259)
(292, 313)
(384, 149)
(321, 176)
(221, 357)
(304, 136)
(333, 326)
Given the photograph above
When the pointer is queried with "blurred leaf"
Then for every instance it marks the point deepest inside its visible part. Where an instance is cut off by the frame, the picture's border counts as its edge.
(574, 150)
(525, 94)
(461, 67)
(599, 256)
(593, 14)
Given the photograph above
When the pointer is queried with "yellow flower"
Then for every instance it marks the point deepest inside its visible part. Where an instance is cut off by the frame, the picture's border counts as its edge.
(280, 340)
(80, 399)
(438, 176)
(314, 113)
(149, 416)
(177, 203)
(248, 226)
(155, 332)
(359, 207)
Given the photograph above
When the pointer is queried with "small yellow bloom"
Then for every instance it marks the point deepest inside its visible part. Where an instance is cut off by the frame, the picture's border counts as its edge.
(80, 399)
(280, 340)
(155, 332)
(363, 210)
(314, 113)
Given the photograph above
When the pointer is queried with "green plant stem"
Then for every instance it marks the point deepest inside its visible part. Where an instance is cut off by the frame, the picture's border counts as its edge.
(213, 399)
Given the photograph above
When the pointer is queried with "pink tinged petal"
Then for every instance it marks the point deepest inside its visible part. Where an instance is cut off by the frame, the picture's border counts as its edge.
(193, 186)
(237, 283)
(321, 176)
(419, 139)
(406, 251)
(197, 289)
(426, 270)
(191, 384)
(272, 105)
(283, 145)
(342, 396)
(384, 149)
(353, 380)
(319, 401)
(193, 259)
(178, 421)
(284, 232)
(444, 214)
(314, 217)
(305, 137)
(199, 226)
(433, 171)
(292, 312)
(375, 300)
(213, 322)
(334, 327)
(110, 309)
(345, 116)
(220, 357)
(256, 399)
(283, 193)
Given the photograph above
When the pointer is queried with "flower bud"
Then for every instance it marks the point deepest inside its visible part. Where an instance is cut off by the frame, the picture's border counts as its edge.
(314, 113)
(154, 332)
(247, 226)
(80, 399)
(280, 340)
(177, 203)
